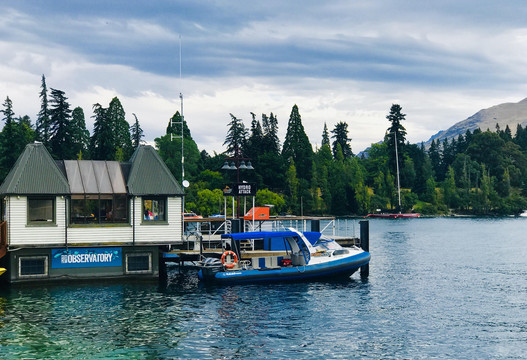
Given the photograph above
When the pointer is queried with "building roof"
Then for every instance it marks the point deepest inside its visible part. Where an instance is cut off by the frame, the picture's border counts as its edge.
(149, 175)
(35, 172)
(95, 177)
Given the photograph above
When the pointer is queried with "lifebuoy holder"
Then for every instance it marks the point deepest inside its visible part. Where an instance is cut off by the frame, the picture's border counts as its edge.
(229, 265)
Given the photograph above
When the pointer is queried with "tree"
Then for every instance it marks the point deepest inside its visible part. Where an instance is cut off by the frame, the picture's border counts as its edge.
(81, 136)
(136, 133)
(297, 148)
(102, 139)
(61, 135)
(13, 139)
(116, 118)
(395, 131)
(43, 121)
(236, 136)
(340, 134)
(169, 147)
(325, 136)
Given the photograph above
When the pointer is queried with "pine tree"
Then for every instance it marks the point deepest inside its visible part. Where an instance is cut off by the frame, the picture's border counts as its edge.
(396, 130)
(61, 137)
(136, 133)
(14, 137)
(102, 139)
(340, 134)
(297, 146)
(116, 117)
(325, 136)
(236, 137)
(43, 121)
(81, 136)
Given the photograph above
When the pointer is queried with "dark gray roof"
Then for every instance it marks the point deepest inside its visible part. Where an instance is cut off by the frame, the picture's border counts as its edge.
(35, 172)
(149, 175)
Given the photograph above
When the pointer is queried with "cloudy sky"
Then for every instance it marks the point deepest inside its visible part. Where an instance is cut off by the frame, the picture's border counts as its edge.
(348, 60)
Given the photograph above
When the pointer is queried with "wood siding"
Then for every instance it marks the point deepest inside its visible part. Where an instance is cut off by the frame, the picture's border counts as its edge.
(20, 234)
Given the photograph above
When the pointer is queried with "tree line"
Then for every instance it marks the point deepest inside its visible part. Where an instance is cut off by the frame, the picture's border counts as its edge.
(63, 131)
(479, 172)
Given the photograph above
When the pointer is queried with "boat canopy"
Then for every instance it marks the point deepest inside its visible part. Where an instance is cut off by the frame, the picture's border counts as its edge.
(298, 243)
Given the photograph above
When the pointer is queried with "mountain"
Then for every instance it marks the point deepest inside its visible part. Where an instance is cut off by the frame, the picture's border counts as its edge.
(505, 114)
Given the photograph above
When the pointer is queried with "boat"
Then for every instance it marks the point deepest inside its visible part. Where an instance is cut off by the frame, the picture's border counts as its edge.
(394, 216)
(283, 256)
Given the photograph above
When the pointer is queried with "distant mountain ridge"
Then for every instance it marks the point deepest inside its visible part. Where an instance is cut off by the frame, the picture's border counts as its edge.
(504, 114)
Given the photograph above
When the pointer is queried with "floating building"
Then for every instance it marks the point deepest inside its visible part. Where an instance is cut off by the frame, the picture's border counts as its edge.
(87, 218)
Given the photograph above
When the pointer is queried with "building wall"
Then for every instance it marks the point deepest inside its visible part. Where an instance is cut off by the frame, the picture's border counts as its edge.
(21, 234)
(169, 232)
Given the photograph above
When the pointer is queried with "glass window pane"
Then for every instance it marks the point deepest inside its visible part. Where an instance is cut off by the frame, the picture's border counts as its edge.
(41, 210)
(154, 209)
(116, 177)
(92, 208)
(106, 208)
(88, 177)
(101, 175)
(78, 210)
(74, 176)
(120, 209)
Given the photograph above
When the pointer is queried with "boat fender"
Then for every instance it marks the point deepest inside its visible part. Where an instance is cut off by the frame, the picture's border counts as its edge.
(232, 264)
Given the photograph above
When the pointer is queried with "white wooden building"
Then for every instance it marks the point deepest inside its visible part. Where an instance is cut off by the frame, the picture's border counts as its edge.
(87, 218)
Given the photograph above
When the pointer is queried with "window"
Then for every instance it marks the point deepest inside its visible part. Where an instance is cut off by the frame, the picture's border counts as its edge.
(140, 263)
(41, 211)
(32, 266)
(99, 209)
(154, 209)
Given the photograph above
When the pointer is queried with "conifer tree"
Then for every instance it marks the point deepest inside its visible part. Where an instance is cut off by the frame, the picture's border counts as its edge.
(116, 118)
(43, 121)
(340, 134)
(61, 136)
(102, 139)
(297, 146)
(81, 136)
(325, 136)
(136, 133)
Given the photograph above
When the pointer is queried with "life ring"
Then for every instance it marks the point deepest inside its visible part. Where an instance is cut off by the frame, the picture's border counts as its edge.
(232, 264)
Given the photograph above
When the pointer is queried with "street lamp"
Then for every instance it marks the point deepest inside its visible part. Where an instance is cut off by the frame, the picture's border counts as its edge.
(236, 163)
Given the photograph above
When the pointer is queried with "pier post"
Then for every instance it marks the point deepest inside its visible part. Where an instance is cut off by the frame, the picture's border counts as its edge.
(235, 226)
(315, 225)
(365, 244)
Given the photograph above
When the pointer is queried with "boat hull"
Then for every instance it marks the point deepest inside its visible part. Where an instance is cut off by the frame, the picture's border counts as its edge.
(344, 267)
(394, 216)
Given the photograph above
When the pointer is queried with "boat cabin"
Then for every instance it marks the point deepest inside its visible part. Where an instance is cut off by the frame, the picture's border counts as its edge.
(87, 218)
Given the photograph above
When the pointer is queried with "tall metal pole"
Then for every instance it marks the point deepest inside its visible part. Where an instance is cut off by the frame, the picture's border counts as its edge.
(397, 166)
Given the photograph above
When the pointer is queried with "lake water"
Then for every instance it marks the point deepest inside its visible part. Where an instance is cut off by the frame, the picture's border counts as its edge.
(438, 288)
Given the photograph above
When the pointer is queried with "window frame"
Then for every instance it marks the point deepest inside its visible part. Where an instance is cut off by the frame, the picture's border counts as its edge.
(150, 264)
(164, 220)
(53, 221)
(33, 257)
(99, 200)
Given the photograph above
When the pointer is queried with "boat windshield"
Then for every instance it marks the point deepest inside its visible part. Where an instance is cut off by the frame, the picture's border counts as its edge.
(325, 243)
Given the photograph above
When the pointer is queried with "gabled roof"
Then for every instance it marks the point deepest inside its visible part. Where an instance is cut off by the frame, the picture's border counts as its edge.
(35, 172)
(149, 175)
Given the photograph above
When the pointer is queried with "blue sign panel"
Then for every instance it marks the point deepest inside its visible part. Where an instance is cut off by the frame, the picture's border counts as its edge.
(86, 257)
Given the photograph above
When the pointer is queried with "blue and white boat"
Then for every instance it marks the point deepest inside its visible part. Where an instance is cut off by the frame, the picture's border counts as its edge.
(281, 256)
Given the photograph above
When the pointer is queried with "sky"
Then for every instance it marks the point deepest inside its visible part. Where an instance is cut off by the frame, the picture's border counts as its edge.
(338, 61)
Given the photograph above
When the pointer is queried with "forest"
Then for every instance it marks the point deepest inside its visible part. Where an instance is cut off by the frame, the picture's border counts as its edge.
(482, 172)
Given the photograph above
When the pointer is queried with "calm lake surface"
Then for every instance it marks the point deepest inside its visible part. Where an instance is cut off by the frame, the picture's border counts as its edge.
(438, 288)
